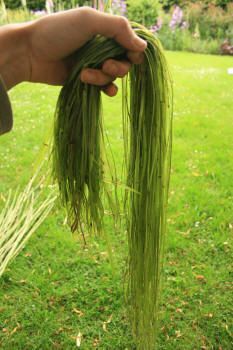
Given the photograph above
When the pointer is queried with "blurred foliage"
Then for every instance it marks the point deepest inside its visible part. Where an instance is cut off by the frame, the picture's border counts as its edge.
(31, 4)
(143, 11)
(205, 30)
(13, 4)
(40, 4)
(68, 4)
(167, 4)
(204, 25)
(183, 40)
(212, 22)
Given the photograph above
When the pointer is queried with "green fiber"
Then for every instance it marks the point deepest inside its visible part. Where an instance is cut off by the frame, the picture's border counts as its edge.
(79, 163)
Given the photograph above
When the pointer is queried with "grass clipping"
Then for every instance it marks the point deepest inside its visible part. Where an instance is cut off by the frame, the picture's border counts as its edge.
(22, 214)
(78, 164)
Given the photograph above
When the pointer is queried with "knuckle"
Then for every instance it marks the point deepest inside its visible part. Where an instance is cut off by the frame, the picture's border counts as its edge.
(82, 75)
(124, 71)
(87, 14)
(122, 74)
(123, 23)
(103, 79)
(108, 63)
(86, 10)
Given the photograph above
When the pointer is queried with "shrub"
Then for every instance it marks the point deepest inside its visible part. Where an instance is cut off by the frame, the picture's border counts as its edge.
(40, 4)
(171, 40)
(36, 4)
(167, 4)
(31, 4)
(13, 4)
(68, 4)
(183, 40)
(143, 11)
(223, 3)
(213, 22)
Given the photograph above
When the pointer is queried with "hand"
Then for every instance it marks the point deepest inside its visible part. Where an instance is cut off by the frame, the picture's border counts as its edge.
(52, 39)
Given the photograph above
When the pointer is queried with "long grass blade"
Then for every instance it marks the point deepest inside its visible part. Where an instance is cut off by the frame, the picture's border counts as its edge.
(78, 166)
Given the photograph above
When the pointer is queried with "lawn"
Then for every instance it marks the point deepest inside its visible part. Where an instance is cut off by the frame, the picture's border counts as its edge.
(58, 289)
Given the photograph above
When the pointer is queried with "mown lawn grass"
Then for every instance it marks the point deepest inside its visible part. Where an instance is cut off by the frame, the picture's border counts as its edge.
(57, 287)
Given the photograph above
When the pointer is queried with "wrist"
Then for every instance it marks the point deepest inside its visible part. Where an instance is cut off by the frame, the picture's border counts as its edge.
(14, 60)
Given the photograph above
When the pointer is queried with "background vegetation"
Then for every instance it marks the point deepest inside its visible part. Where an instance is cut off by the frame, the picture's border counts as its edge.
(196, 26)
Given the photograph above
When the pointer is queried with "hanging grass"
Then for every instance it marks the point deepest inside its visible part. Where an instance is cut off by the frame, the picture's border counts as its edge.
(78, 135)
(79, 161)
(148, 158)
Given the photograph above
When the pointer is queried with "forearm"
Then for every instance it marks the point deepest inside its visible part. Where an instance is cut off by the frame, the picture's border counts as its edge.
(14, 60)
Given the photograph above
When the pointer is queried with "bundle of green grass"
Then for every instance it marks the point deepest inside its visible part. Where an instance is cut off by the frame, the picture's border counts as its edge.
(79, 161)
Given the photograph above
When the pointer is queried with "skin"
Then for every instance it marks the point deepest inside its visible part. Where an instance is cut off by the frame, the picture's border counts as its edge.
(41, 50)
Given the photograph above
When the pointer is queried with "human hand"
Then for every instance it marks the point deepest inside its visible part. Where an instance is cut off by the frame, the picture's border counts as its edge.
(53, 39)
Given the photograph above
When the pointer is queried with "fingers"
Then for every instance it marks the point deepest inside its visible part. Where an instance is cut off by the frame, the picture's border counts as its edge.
(95, 77)
(118, 28)
(111, 70)
(110, 90)
(135, 57)
(115, 68)
(99, 78)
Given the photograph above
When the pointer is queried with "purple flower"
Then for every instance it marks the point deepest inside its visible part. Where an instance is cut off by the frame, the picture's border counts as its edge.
(155, 28)
(176, 19)
(119, 7)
